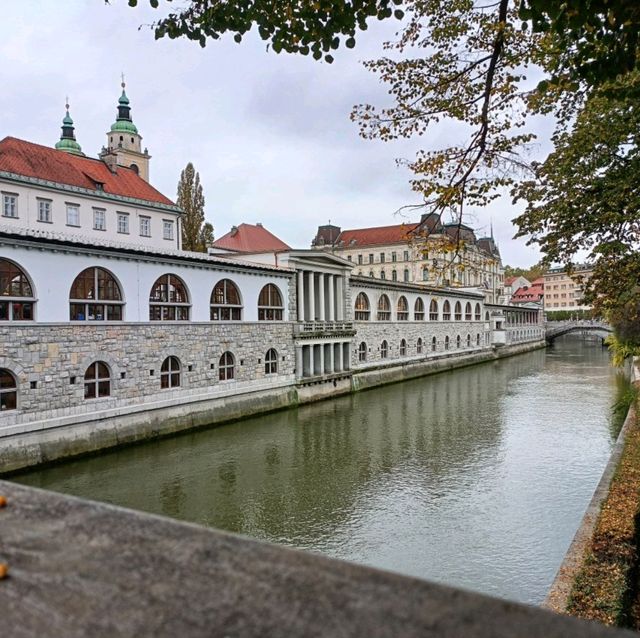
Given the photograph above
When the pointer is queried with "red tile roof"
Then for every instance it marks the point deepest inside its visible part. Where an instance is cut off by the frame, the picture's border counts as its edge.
(509, 280)
(247, 238)
(41, 162)
(376, 236)
(528, 293)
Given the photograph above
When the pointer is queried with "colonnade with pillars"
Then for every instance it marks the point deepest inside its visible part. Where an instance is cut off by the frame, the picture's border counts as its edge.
(320, 296)
(316, 359)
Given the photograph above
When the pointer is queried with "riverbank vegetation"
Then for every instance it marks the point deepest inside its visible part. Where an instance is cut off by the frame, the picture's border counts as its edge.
(606, 588)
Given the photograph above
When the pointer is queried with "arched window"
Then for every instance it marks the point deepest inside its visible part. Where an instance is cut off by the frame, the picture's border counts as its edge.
(384, 308)
(457, 314)
(270, 306)
(478, 315)
(425, 274)
(271, 362)
(382, 275)
(225, 302)
(227, 366)
(384, 350)
(434, 344)
(394, 275)
(362, 307)
(8, 391)
(458, 341)
(486, 316)
(371, 273)
(403, 347)
(419, 345)
(97, 381)
(95, 296)
(478, 339)
(362, 351)
(433, 310)
(468, 341)
(418, 310)
(406, 274)
(16, 293)
(170, 373)
(446, 311)
(467, 312)
(403, 309)
(446, 342)
(169, 300)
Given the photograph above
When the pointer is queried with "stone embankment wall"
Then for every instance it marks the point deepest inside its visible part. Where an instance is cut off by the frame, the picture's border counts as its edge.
(55, 421)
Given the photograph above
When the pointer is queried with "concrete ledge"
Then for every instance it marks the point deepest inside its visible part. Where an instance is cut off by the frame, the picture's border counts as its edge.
(82, 569)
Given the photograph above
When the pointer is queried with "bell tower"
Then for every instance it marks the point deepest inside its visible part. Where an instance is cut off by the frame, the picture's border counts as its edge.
(124, 141)
(67, 141)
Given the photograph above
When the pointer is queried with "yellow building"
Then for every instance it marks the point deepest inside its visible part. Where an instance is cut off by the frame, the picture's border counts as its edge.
(563, 291)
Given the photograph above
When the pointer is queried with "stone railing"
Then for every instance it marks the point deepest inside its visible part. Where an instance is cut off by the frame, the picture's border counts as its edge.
(78, 568)
(323, 327)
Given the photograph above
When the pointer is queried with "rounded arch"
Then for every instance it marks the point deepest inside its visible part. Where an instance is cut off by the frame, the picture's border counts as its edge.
(419, 345)
(362, 309)
(271, 361)
(362, 351)
(97, 380)
(270, 304)
(403, 347)
(478, 313)
(468, 340)
(96, 295)
(8, 390)
(433, 310)
(17, 296)
(170, 373)
(486, 316)
(169, 299)
(446, 311)
(418, 309)
(434, 344)
(478, 339)
(226, 302)
(457, 311)
(227, 366)
(384, 308)
(402, 309)
(458, 341)
(446, 342)
(468, 313)
(384, 349)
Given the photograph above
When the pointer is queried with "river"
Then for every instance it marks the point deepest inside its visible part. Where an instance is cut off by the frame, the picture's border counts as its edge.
(477, 478)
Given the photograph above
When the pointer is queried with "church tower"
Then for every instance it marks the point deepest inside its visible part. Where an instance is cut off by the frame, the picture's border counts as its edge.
(67, 142)
(124, 142)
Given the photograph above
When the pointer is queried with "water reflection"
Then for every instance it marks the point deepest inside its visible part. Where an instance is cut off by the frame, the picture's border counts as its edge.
(476, 477)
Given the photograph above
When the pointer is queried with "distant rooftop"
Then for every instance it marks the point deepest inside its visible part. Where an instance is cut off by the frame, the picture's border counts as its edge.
(250, 238)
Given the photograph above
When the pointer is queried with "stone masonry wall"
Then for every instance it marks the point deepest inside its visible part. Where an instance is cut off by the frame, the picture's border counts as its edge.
(374, 332)
(49, 362)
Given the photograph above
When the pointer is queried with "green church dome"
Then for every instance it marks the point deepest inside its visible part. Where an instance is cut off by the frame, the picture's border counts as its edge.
(67, 140)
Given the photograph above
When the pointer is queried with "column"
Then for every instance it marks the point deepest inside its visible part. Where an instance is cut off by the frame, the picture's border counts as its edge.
(321, 296)
(299, 362)
(312, 365)
(321, 352)
(338, 364)
(346, 356)
(340, 298)
(300, 295)
(328, 358)
(332, 305)
(312, 298)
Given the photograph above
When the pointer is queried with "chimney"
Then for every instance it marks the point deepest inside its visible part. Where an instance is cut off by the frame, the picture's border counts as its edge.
(234, 231)
(110, 159)
(259, 224)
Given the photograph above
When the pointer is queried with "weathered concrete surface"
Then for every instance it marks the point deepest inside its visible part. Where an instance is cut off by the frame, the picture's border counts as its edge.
(80, 569)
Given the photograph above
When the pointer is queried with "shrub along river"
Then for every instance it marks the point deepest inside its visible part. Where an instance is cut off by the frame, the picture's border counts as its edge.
(477, 478)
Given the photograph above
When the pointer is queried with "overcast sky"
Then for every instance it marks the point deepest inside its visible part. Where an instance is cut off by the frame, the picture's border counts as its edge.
(270, 134)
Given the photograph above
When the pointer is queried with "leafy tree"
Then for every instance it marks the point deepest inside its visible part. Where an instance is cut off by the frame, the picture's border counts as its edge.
(196, 234)
(532, 273)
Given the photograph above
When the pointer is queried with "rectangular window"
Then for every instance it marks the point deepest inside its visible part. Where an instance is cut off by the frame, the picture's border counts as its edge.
(382, 258)
(145, 226)
(406, 255)
(394, 256)
(99, 219)
(9, 205)
(73, 215)
(123, 223)
(44, 211)
(349, 257)
(371, 258)
(360, 259)
(167, 229)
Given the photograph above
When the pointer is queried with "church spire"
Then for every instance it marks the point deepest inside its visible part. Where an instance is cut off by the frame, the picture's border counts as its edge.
(67, 140)
(124, 123)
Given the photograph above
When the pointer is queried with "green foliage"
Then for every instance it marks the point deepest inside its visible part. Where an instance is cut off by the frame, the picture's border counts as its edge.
(314, 27)
(568, 315)
(531, 274)
(621, 350)
(196, 234)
